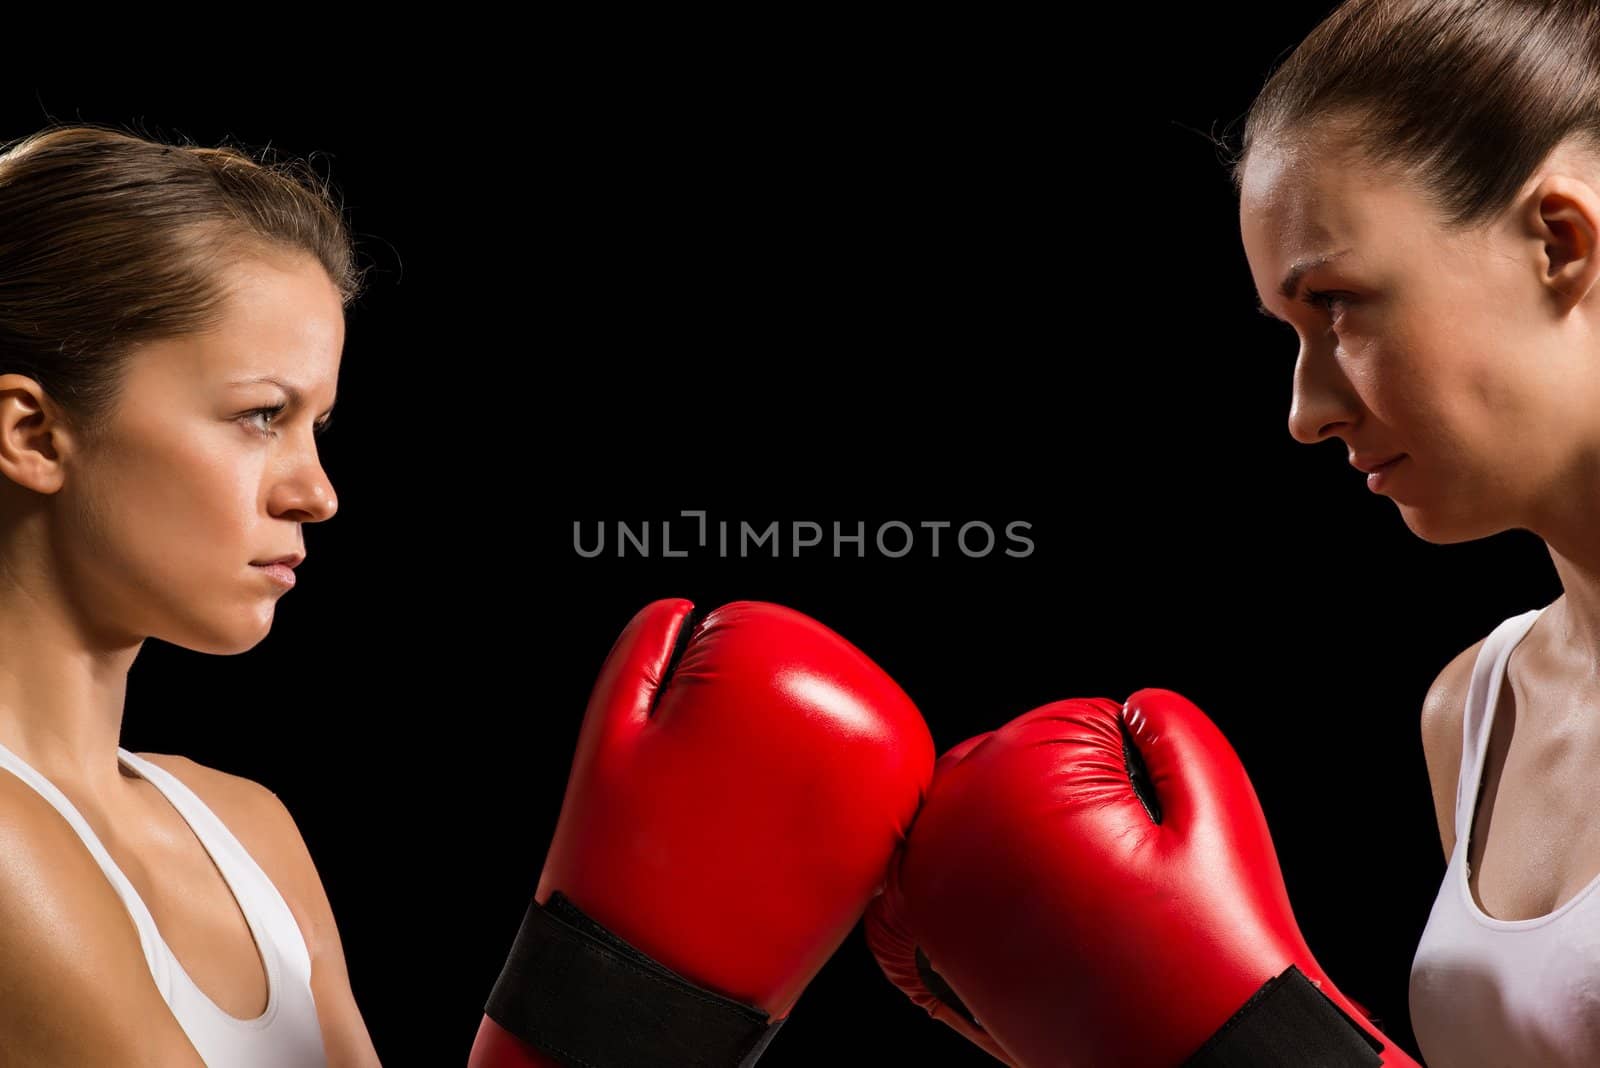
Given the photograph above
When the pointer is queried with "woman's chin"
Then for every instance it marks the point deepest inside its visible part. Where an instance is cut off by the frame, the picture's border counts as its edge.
(227, 638)
(1444, 529)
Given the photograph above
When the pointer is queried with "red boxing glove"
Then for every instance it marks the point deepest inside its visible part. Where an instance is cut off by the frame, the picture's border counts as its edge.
(738, 789)
(1094, 884)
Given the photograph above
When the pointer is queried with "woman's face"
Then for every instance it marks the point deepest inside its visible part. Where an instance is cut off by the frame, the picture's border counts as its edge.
(1447, 348)
(188, 486)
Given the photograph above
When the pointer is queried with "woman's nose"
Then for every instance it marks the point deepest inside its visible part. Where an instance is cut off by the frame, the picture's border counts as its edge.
(1321, 401)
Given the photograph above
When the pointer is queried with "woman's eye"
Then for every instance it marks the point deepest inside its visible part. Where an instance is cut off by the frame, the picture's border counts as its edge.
(317, 429)
(1321, 300)
(267, 412)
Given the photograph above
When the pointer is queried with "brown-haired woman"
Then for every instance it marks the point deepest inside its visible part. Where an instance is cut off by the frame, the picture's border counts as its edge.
(171, 326)
(1420, 200)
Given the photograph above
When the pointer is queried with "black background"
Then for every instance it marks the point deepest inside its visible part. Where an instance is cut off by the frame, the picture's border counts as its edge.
(951, 273)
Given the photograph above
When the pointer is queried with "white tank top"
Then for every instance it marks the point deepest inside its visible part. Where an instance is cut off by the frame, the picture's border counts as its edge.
(286, 1034)
(1503, 992)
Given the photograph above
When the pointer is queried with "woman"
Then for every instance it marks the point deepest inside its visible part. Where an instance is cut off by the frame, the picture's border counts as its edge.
(171, 325)
(1420, 201)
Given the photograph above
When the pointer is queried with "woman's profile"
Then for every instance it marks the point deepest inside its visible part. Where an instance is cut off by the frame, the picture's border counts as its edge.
(171, 327)
(1419, 189)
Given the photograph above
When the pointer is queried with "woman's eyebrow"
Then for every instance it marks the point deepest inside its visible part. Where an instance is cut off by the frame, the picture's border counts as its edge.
(294, 392)
(1290, 286)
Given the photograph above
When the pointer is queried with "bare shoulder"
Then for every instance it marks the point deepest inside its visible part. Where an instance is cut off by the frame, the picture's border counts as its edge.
(252, 812)
(78, 988)
(258, 818)
(263, 825)
(1445, 704)
(209, 783)
(33, 832)
(1443, 709)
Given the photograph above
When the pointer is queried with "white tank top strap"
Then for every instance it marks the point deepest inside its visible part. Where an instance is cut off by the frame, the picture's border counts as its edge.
(1488, 675)
(243, 875)
(149, 940)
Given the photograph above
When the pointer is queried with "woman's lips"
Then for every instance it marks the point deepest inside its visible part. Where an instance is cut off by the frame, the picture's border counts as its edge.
(280, 573)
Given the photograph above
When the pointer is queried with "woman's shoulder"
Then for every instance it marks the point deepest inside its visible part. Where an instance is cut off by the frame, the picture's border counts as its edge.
(262, 823)
(1446, 699)
(1443, 715)
(207, 782)
(251, 812)
(49, 879)
(34, 833)
(1444, 706)
(68, 951)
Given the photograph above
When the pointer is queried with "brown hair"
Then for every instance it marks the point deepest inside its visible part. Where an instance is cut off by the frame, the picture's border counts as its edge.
(109, 240)
(1466, 97)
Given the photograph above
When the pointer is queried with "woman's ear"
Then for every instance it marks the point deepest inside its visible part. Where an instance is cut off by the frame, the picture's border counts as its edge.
(29, 430)
(1568, 219)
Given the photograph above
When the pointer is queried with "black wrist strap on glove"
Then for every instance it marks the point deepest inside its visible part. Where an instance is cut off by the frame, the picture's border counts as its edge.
(1289, 1021)
(577, 992)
